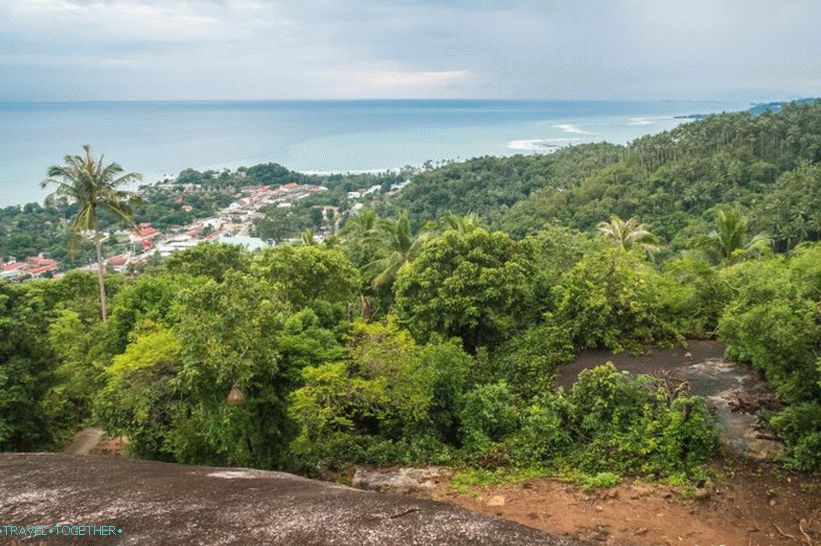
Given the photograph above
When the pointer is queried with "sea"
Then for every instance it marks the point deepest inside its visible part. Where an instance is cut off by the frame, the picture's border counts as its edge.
(162, 138)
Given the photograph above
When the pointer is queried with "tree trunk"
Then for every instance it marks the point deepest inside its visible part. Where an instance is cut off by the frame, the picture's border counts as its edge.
(100, 274)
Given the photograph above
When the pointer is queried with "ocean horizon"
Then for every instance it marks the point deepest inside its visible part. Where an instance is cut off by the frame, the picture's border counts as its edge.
(158, 138)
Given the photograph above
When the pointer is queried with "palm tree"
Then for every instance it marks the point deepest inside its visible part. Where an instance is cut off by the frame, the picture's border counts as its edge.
(462, 224)
(729, 237)
(360, 227)
(629, 234)
(399, 246)
(308, 237)
(93, 186)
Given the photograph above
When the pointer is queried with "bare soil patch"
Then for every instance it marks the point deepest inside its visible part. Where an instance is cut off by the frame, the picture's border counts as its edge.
(748, 504)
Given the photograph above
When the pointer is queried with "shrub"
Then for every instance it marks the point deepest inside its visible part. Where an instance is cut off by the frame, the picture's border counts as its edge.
(487, 416)
(612, 298)
(528, 361)
(602, 480)
(800, 427)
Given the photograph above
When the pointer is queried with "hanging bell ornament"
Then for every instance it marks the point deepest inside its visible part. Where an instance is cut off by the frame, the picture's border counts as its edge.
(235, 397)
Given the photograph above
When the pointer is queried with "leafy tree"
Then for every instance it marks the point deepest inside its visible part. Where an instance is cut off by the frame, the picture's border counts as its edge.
(94, 187)
(359, 237)
(25, 370)
(80, 355)
(156, 298)
(235, 346)
(462, 224)
(308, 237)
(612, 298)
(140, 399)
(394, 400)
(475, 286)
(528, 361)
(792, 211)
(212, 260)
(771, 321)
(303, 274)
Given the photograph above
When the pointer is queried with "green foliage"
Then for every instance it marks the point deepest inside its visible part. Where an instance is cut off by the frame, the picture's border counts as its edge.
(488, 416)
(80, 354)
(151, 297)
(303, 274)
(139, 399)
(528, 361)
(602, 480)
(24, 370)
(612, 298)
(771, 321)
(556, 250)
(322, 388)
(210, 260)
(695, 297)
(463, 480)
(800, 427)
(792, 211)
(392, 396)
(630, 425)
(473, 285)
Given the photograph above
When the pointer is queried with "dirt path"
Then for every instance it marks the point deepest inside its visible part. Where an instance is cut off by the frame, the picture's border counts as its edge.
(84, 441)
(749, 505)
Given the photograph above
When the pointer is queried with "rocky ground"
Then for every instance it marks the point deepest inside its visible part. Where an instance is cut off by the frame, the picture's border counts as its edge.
(168, 504)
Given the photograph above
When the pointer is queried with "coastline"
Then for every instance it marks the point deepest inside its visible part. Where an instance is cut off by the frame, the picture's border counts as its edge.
(312, 137)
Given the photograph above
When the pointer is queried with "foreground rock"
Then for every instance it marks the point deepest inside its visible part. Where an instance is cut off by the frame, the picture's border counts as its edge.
(416, 481)
(160, 503)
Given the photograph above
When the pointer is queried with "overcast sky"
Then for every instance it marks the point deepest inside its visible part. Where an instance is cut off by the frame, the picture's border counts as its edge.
(266, 49)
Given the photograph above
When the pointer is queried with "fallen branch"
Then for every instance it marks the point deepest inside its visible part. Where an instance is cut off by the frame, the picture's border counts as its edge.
(404, 513)
(783, 534)
(807, 538)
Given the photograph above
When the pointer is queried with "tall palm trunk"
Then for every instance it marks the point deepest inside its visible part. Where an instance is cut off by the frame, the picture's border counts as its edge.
(98, 243)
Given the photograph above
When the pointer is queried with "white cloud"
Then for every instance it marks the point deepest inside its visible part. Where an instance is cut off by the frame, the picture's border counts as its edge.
(356, 48)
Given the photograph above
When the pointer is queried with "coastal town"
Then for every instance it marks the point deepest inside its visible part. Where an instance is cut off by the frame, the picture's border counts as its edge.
(231, 225)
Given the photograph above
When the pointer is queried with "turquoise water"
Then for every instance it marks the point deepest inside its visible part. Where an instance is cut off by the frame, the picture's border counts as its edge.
(157, 138)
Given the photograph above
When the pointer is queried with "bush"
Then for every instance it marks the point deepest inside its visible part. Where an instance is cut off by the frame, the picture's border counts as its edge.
(528, 361)
(800, 427)
(487, 416)
(602, 480)
(138, 398)
(392, 402)
(631, 426)
(613, 298)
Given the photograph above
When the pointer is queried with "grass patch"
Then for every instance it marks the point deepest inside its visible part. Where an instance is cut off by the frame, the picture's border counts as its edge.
(602, 480)
(469, 478)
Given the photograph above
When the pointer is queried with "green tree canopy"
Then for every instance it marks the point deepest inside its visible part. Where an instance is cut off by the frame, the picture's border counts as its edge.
(476, 286)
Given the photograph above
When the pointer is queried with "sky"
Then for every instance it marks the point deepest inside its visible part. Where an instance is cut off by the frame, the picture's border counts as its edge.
(351, 49)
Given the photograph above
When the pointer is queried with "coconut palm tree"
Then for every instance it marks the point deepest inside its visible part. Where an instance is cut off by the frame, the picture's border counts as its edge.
(399, 245)
(629, 234)
(84, 180)
(308, 237)
(462, 224)
(361, 226)
(729, 237)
